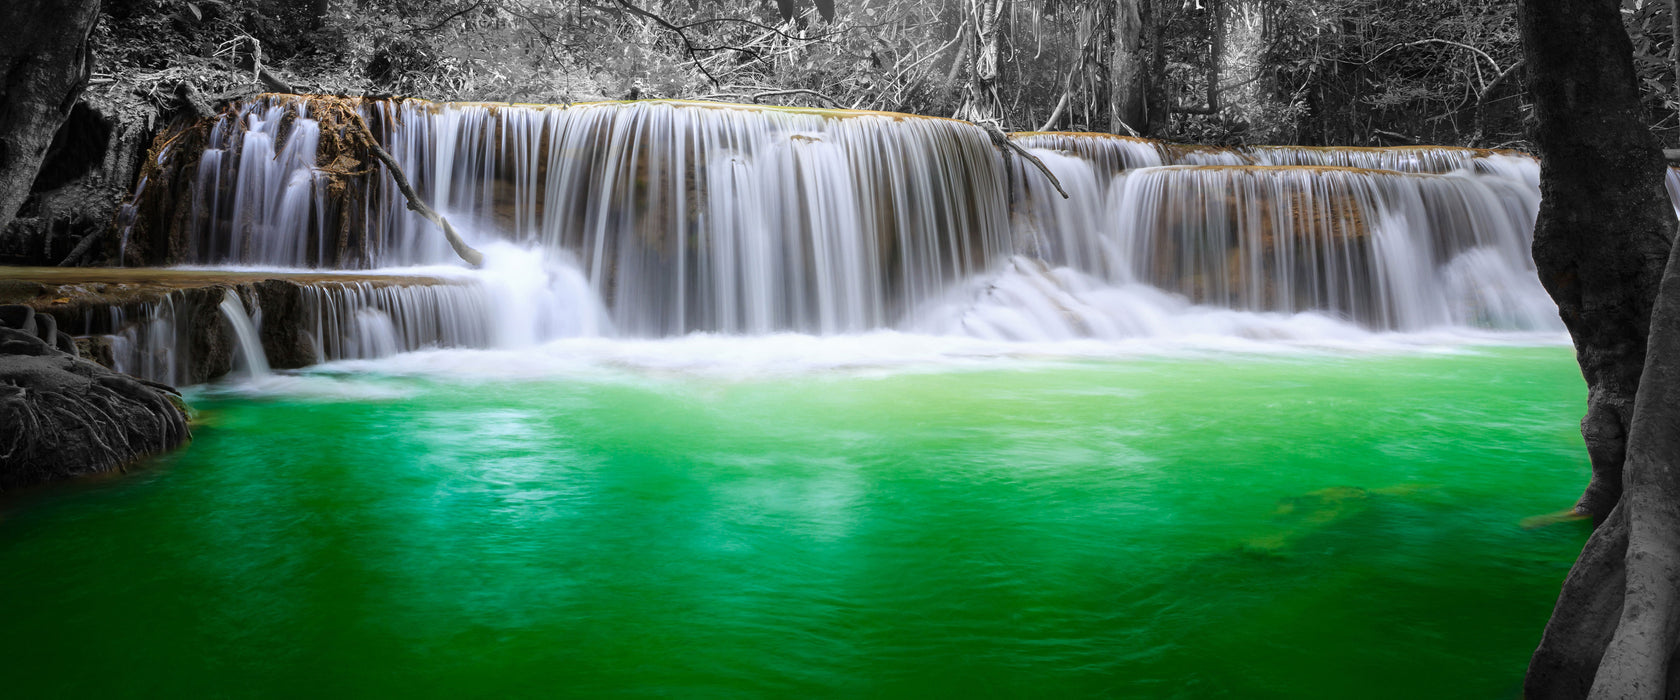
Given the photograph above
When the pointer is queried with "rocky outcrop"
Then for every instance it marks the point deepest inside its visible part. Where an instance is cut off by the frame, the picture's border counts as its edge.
(167, 325)
(286, 340)
(62, 417)
(44, 65)
(69, 214)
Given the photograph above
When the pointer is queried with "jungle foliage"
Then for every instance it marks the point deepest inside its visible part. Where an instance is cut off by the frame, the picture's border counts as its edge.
(1348, 72)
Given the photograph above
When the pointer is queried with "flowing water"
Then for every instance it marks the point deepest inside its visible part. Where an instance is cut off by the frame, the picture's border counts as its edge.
(249, 352)
(673, 518)
(684, 217)
(768, 402)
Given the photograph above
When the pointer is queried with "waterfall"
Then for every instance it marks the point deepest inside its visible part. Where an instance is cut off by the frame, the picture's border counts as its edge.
(685, 216)
(250, 350)
(362, 320)
(194, 334)
(1399, 247)
(660, 218)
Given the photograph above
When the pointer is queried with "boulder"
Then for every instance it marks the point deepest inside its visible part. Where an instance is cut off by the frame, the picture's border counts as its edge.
(44, 65)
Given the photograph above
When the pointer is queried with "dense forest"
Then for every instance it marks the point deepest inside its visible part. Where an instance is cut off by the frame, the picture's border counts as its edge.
(1316, 72)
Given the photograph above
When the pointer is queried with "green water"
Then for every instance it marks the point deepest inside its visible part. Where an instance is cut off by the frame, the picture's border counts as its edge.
(1212, 527)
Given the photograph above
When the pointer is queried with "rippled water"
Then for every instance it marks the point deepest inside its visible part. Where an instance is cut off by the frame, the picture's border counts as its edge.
(1219, 524)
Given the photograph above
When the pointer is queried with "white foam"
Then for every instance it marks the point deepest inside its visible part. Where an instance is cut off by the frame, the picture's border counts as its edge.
(882, 352)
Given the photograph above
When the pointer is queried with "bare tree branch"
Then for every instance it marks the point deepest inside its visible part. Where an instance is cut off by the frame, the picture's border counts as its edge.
(415, 203)
(1003, 143)
(448, 19)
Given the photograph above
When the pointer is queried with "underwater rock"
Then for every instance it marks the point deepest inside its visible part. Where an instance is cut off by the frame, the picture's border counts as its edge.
(62, 417)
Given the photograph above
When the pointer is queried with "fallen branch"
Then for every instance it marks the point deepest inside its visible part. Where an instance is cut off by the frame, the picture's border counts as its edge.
(1448, 42)
(81, 249)
(1398, 137)
(1001, 140)
(193, 100)
(1056, 113)
(415, 203)
(446, 20)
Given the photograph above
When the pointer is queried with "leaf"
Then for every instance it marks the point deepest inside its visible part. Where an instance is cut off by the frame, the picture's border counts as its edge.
(826, 9)
(197, 15)
(786, 7)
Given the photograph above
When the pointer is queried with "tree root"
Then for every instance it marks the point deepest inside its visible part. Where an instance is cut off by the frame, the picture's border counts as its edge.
(1615, 632)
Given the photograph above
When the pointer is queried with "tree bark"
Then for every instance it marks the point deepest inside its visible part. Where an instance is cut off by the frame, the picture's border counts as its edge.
(1602, 241)
(1129, 69)
(1605, 225)
(45, 61)
(1639, 660)
(982, 102)
(1674, 40)
(1216, 51)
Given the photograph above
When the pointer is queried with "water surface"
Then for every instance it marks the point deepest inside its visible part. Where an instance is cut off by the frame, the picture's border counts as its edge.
(1322, 524)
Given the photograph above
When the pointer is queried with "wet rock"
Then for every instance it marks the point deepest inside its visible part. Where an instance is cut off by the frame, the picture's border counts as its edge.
(173, 327)
(12, 291)
(284, 338)
(84, 177)
(211, 344)
(97, 349)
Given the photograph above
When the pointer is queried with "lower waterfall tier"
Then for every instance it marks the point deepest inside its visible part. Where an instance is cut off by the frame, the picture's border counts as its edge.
(184, 327)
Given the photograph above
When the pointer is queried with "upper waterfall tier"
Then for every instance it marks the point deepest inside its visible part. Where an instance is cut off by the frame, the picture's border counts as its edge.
(686, 216)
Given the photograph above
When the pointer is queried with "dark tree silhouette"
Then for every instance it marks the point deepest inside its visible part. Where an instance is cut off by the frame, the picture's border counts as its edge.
(1604, 236)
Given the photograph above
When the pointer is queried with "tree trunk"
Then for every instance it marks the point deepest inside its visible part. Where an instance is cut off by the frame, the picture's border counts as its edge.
(1136, 102)
(1605, 224)
(1674, 40)
(1603, 238)
(318, 12)
(1216, 51)
(982, 102)
(1129, 69)
(44, 64)
(1640, 658)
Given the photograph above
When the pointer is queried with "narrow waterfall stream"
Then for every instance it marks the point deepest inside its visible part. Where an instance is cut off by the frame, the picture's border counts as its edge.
(250, 352)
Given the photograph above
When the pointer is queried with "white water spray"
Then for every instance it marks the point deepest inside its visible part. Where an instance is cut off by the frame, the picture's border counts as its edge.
(659, 219)
(250, 350)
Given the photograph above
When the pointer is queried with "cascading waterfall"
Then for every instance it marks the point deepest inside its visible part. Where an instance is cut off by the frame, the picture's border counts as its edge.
(652, 219)
(250, 351)
(165, 339)
(684, 216)
(1401, 248)
(362, 320)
